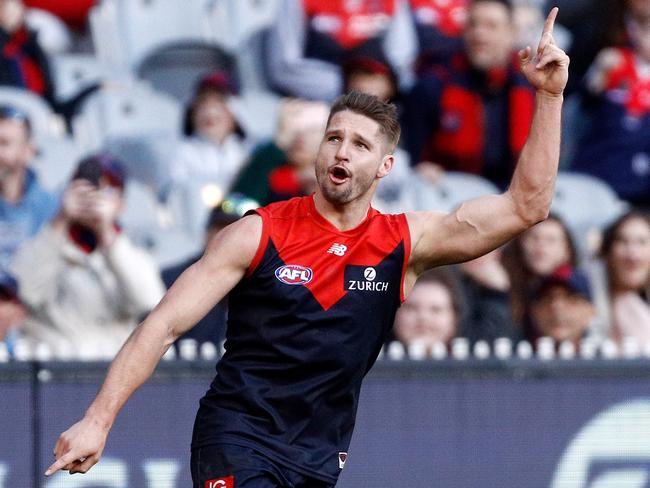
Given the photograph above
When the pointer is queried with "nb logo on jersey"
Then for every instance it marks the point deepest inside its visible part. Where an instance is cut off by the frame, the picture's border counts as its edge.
(227, 482)
(294, 274)
(343, 456)
(338, 249)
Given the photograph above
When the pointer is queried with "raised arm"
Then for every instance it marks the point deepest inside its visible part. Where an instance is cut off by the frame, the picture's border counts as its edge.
(485, 223)
(193, 295)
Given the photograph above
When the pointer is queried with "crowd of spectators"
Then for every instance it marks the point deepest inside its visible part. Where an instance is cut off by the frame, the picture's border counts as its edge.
(74, 278)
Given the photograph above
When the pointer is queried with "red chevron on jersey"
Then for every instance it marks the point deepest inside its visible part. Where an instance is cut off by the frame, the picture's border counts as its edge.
(316, 254)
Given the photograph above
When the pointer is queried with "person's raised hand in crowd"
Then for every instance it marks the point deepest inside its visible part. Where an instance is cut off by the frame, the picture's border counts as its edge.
(547, 70)
(94, 208)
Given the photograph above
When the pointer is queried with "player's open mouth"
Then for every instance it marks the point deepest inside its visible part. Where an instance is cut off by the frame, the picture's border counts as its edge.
(339, 175)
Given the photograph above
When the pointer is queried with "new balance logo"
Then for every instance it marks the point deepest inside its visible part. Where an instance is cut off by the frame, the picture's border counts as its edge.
(338, 249)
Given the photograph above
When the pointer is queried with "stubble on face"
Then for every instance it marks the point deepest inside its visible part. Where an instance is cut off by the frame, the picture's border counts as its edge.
(356, 186)
(362, 174)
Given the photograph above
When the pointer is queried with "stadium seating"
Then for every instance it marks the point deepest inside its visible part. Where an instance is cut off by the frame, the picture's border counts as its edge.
(148, 225)
(56, 160)
(585, 201)
(146, 157)
(137, 27)
(175, 68)
(125, 110)
(73, 73)
(452, 189)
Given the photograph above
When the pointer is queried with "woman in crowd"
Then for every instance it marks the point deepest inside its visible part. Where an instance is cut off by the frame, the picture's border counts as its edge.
(626, 254)
(431, 314)
(215, 147)
(534, 255)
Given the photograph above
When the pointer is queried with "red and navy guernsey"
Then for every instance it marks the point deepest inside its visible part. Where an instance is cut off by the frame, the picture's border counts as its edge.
(306, 323)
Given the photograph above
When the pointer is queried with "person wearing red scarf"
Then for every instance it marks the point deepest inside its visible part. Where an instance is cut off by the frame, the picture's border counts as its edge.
(472, 114)
(23, 63)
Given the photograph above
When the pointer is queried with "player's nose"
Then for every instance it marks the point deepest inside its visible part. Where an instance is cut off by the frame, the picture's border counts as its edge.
(342, 151)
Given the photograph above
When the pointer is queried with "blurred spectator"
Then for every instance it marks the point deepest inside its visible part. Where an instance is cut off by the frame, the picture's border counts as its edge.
(312, 39)
(368, 75)
(285, 166)
(616, 145)
(561, 308)
(431, 313)
(439, 25)
(594, 25)
(534, 255)
(12, 311)
(215, 147)
(24, 205)
(486, 289)
(626, 252)
(23, 63)
(529, 17)
(473, 114)
(212, 327)
(84, 283)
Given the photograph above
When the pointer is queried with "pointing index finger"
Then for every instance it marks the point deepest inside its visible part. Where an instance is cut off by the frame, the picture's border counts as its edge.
(550, 21)
(57, 465)
(547, 32)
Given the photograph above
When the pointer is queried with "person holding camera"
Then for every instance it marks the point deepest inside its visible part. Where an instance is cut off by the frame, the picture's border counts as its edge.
(84, 283)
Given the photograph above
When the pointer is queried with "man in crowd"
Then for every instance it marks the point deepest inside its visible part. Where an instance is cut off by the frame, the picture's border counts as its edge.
(85, 284)
(472, 114)
(24, 205)
(562, 307)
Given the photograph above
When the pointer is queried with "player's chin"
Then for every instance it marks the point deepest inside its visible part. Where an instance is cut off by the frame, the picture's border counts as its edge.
(337, 194)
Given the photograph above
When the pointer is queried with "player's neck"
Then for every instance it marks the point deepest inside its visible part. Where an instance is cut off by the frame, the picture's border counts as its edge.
(344, 217)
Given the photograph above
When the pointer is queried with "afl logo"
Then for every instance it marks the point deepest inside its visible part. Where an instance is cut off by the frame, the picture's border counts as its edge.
(293, 274)
(369, 274)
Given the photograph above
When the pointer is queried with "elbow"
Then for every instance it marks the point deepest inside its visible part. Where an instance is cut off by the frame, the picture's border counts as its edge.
(534, 215)
(530, 206)
(530, 211)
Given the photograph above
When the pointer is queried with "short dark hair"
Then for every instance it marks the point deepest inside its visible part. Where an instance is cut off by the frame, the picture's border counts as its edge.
(9, 112)
(385, 114)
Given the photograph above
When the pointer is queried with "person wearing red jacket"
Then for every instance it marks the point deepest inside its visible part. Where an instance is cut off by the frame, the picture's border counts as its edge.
(473, 113)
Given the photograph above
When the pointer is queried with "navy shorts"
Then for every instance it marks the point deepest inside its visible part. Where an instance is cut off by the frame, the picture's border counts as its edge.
(232, 466)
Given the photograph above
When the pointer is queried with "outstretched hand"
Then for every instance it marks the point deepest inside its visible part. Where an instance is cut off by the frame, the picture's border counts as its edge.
(79, 448)
(548, 69)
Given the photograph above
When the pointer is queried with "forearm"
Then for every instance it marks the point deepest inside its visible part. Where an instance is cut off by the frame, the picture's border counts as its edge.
(533, 181)
(133, 365)
(193, 294)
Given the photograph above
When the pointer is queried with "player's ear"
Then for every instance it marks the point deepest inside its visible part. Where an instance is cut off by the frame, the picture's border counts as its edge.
(386, 165)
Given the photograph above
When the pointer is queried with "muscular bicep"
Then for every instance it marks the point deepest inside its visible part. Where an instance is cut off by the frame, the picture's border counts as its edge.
(200, 287)
(473, 229)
